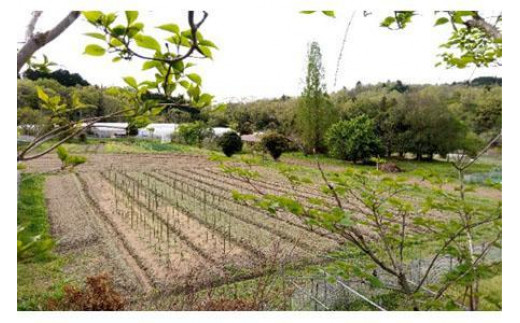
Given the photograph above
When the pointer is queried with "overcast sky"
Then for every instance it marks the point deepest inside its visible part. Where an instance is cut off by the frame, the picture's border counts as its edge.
(262, 53)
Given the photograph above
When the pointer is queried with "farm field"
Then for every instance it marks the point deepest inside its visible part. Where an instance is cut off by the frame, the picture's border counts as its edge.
(163, 224)
(158, 222)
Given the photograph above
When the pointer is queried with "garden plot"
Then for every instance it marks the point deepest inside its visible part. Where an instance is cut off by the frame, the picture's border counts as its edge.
(162, 225)
(83, 234)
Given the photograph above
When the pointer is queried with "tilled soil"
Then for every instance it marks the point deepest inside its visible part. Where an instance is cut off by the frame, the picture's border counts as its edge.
(98, 162)
(165, 245)
(92, 243)
(159, 223)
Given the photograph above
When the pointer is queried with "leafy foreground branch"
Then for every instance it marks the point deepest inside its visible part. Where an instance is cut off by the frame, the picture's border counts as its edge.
(376, 214)
(121, 38)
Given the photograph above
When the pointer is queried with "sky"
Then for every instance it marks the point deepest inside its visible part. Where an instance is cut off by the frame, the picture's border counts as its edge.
(262, 53)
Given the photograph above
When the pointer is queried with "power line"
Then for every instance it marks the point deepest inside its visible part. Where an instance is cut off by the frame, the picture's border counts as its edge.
(340, 56)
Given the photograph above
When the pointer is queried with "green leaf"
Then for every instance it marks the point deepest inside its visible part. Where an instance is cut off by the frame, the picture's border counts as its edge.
(96, 35)
(185, 84)
(42, 95)
(184, 41)
(206, 51)
(115, 42)
(149, 64)
(388, 21)
(106, 20)
(119, 30)
(131, 16)
(147, 42)
(179, 66)
(441, 21)
(170, 27)
(195, 78)
(205, 100)
(194, 92)
(307, 12)
(131, 81)
(208, 43)
(329, 13)
(92, 16)
(94, 50)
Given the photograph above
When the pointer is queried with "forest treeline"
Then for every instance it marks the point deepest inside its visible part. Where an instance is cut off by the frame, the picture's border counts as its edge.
(390, 117)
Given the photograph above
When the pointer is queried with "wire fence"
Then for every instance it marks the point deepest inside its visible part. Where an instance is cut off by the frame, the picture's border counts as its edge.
(323, 292)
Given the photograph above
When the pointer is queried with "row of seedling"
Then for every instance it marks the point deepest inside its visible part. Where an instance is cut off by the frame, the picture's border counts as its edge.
(282, 228)
(139, 207)
(197, 210)
(248, 232)
(223, 190)
(150, 197)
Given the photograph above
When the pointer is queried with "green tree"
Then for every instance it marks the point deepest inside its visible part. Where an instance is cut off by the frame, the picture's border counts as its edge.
(354, 139)
(315, 112)
(432, 127)
(64, 77)
(387, 232)
(275, 144)
(194, 133)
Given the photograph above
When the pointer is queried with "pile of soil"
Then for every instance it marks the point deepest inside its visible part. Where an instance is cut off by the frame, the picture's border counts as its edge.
(390, 168)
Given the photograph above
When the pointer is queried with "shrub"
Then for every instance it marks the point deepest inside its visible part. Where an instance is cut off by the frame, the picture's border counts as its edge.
(98, 295)
(132, 130)
(231, 143)
(354, 139)
(275, 144)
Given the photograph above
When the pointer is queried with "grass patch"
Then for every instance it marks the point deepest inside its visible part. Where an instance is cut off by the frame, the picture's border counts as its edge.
(125, 146)
(147, 146)
(40, 270)
(412, 168)
(32, 217)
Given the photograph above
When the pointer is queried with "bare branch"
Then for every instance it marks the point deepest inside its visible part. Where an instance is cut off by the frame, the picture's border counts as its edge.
(39, 40)
(32, 24)
(329, 185)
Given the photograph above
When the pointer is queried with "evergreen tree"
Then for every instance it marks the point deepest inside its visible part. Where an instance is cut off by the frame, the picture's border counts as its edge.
(315, 112)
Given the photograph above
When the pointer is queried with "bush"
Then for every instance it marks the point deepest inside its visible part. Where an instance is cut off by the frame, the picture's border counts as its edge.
(275, 144)
(353, 140)
(132, 130)
(98, 295)
(231, 143)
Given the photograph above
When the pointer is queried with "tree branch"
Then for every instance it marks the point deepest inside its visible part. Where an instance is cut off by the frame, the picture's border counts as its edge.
(21, 156)
(39, 40)
(480, 23)
(32, 24)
